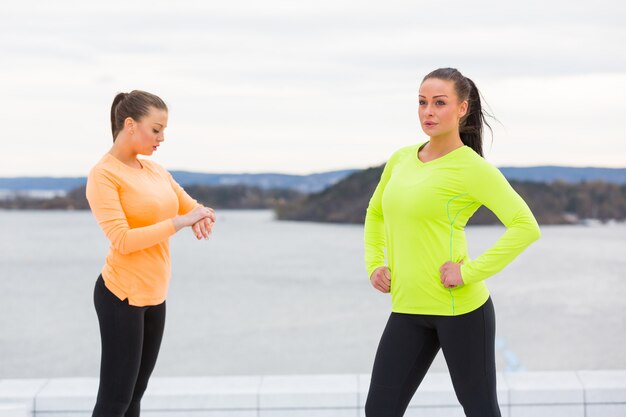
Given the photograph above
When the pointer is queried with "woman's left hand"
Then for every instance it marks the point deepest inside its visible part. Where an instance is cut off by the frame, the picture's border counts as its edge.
(450, 274)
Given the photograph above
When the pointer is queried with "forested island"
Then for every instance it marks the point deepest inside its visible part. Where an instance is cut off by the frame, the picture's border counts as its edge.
(556, 202)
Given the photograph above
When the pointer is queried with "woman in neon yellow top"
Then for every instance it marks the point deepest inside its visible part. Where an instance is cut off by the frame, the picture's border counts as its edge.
(417, 216)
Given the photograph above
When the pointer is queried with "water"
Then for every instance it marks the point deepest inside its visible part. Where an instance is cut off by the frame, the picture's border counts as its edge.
(269, 297)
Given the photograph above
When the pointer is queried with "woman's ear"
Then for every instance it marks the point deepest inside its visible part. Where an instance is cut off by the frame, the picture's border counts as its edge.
(129, 124)
(463, 109)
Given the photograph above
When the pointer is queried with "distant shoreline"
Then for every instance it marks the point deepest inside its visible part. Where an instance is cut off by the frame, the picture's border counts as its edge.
(316, 181)
(342, 196)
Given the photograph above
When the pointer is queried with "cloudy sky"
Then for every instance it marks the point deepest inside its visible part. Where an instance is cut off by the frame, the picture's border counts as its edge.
(300, 87)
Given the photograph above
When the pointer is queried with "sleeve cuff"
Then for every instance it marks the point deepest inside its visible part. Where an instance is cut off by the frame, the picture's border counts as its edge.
(466, 274)
(371, 270)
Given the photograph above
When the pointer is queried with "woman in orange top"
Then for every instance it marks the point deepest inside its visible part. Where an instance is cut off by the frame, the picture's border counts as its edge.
(139, 206)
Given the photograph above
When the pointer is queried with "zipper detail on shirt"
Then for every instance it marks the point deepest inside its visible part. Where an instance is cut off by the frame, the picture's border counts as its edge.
(452, 220)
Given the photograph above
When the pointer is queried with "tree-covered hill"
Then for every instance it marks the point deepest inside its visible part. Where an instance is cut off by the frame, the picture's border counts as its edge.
(554, 203)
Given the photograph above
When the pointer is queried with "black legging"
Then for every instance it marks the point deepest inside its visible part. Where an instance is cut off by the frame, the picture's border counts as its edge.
(409, 345)
(131, 338)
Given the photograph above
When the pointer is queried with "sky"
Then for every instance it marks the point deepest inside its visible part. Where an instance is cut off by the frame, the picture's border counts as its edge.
(301, 87)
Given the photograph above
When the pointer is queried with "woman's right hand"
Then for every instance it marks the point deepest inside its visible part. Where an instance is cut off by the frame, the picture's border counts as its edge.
(381, 279)
(203, 228)
(193, 217)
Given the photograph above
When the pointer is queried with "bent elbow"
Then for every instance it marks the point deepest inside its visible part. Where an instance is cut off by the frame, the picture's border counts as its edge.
(536, 233)
(123, 250)
(120, 244)
(528, 228)
(532, 232)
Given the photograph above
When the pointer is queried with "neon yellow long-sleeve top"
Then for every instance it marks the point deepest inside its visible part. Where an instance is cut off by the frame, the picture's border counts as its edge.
(417, 217)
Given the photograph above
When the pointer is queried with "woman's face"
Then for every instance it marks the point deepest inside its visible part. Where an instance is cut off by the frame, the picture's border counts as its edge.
(439, 107)
(148, 131)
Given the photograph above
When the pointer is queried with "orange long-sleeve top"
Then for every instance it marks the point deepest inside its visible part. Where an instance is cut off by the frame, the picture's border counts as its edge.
(135, 207)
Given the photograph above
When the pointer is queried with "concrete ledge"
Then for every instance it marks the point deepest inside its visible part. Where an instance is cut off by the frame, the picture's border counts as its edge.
(532, 394)
(605, 393)
(14, 410)
(62, 395)
(203, 393)
(435, 397)
(540, 394)
(308, 391)
(20, 392)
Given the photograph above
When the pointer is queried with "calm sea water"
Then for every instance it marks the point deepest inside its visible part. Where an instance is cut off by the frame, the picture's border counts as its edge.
(269, 297)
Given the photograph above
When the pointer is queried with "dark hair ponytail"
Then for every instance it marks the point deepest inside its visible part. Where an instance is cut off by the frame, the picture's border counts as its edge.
(471, 125)
(119, 97)
(135, 105)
